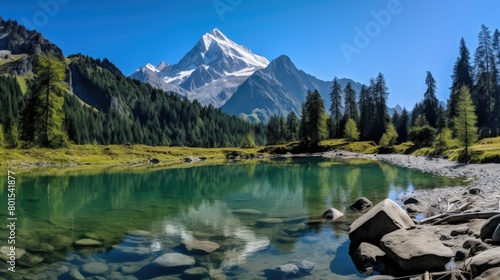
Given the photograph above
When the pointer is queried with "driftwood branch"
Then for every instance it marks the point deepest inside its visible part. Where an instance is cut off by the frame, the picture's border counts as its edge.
(446, 214)
(461, 218)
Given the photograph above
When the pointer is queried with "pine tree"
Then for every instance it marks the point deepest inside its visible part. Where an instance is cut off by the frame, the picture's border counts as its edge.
(402, 126)
(366, 112)
(315, 119)
(292, 125)
(276, 130)
(486, 80)
(336, 108)
(43, 117)
(441, 119)
(381, 117)
(462, 76)
(351, 108)
(465, 121)
(351, 130)
(430, 100)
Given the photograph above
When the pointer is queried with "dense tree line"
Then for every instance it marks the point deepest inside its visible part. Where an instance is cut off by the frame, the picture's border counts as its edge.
(473, 108)
(128, 111)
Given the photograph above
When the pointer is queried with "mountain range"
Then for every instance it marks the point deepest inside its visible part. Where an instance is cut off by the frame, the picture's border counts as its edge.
(222, 73)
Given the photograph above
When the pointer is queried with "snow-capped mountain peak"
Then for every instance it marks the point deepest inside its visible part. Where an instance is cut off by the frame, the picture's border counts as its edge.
(212, 70)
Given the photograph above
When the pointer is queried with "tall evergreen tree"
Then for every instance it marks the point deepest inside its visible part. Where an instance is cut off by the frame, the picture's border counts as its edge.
(496, 46)
(292, 125)
(402, 126)
(351, 108)
(486, 78)
(465, 121)
(430, 100)
(336, 108)
(463, 75)
(441, 119)
(315, 120)
(276, 130)
(381, 117)
(366, 112)
(43, 116)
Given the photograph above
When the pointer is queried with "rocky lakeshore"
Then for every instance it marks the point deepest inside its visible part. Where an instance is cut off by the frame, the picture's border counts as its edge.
(457, 235)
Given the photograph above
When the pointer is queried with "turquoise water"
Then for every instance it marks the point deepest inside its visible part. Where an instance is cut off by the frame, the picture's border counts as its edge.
(262, 214)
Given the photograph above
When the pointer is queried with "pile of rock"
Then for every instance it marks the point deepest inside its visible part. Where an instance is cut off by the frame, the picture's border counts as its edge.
(386, 239)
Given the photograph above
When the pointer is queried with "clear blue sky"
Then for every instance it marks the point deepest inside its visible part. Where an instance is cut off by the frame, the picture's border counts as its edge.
(421, 35)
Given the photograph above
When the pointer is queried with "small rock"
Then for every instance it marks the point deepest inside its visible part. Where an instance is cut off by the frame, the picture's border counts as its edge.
(87, 242)
(171, 260)
(489, 227)
(130, 268)
(459, 231)
(140, 252)
(4, 250)
(201, 246)
(195, 273)
(469, 243)
(60, 242)
(411, 200)
(92, 236)
(332, 214)
(29, 260)
(474, 190)
(95, 268)
(478, 248)
(460, 255)
(41, 248)
(154, 160)
(412, 208)
(444, 237)
(304, 266)
(72, 274)
(361, 204)
(475, 227)
(288, 269)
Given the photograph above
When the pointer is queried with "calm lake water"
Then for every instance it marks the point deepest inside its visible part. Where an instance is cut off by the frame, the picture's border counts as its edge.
(262, 214)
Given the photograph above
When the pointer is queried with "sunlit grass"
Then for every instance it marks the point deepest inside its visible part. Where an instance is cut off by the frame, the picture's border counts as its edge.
(114, 154)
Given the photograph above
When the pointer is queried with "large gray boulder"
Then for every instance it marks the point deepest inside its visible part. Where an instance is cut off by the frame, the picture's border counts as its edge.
(415, 250)
(489, 227)
(382, 219)
(485, 260)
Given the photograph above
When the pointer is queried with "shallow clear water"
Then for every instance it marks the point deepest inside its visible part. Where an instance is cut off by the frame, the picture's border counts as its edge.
(283, 200)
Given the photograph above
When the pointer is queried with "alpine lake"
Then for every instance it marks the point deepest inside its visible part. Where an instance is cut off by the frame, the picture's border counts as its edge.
(257, 215)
